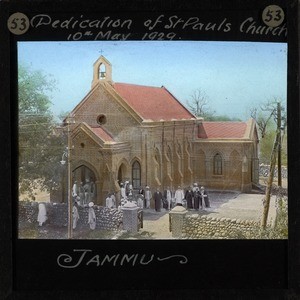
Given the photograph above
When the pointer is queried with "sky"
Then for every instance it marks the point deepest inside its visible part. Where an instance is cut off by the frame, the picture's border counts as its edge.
(235, 76)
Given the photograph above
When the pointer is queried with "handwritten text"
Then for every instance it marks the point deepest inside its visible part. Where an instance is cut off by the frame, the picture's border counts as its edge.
(160, 27)
(86, 257)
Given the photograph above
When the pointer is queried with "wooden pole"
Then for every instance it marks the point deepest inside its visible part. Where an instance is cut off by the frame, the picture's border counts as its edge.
(70, 202)
(279, 145)
(70, 120)
(270, 180)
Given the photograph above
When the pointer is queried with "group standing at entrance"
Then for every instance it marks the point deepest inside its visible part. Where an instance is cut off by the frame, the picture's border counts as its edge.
(84, 193)
(194, 197)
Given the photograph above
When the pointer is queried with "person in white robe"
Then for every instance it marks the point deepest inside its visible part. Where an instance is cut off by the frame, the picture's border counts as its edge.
(204, 197)
(148, 196)
(92, 216)
(123, 191)
(113, 199)
(109, 202)
(168, 197)
(42, 214)
(75, 215)
(140, 201)
(75, 189)
(179, 196)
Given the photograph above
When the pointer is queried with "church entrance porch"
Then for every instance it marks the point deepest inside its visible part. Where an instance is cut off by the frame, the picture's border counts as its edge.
(84, 185)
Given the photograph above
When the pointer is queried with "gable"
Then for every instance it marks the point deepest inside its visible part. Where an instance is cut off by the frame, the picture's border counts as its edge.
(102, 101)
(98, 134)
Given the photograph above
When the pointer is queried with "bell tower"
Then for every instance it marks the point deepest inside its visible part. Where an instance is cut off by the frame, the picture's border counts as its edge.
(102, 71)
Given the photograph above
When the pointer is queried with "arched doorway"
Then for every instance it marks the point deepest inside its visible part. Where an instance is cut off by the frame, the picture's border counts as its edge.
(83, 173)
(122, 173)
(84, 181)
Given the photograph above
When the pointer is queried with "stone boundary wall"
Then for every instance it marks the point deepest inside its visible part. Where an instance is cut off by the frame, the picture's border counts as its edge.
(106, 218)
(207, 227)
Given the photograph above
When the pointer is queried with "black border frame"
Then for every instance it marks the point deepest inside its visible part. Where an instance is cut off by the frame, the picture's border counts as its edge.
(239, 286)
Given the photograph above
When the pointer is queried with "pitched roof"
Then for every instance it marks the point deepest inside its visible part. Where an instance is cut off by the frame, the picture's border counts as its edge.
(225, 130)
(152, 103)
(103, 134)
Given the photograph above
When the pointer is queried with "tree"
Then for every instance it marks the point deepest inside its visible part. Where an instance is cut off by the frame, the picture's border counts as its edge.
(40, 144)
(263, 115)
(199, 105)
(266, 119)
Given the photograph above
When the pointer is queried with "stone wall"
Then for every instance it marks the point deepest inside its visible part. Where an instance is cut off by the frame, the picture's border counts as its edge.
(106, 218)
(207, 227)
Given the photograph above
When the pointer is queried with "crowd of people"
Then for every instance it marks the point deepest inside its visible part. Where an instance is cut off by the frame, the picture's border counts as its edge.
(84, 193)
(194, 197)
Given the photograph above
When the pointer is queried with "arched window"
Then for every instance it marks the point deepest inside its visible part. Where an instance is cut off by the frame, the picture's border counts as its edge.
(136, 175)
(218, 169)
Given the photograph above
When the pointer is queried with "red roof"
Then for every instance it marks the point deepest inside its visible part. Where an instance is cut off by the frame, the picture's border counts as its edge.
(103, 134)
(155, 103)
(226, 130)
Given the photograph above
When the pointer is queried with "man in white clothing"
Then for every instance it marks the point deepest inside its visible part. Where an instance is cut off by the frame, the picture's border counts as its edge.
(123, 191)
(179, 196)
(109, 202)
(148, 196)
(168, 197)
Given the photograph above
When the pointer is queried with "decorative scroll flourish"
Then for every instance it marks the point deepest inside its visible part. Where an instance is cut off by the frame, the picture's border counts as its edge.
(183, 259)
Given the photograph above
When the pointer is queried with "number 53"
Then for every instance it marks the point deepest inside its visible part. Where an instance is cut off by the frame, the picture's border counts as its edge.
(17, 23)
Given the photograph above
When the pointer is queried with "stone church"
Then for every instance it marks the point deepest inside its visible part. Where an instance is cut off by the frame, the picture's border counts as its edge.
(143, 134)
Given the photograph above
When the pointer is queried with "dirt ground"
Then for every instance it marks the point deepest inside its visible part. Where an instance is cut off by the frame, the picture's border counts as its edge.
(231, 205)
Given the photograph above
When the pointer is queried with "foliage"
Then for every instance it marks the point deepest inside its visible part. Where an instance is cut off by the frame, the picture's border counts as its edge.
(223, 118)
(279, 230)
(40, 144)
(281, 221)
(266, 144)
(266, 118)
(62, 115)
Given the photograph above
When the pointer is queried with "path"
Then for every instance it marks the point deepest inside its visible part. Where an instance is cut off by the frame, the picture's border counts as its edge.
(157, 224)
(231, 205)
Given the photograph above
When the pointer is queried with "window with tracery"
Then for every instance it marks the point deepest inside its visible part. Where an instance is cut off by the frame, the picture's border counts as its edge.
(218, 164)
(136, 175)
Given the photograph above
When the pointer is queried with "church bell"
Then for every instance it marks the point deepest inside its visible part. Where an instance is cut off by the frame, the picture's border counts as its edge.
(102, 75)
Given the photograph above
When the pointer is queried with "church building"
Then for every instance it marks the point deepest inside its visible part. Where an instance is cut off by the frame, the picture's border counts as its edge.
(144, 135)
